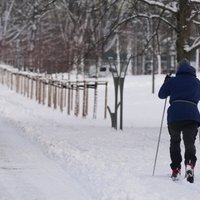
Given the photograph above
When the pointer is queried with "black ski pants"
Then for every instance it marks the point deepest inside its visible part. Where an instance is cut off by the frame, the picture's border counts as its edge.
(189, 130)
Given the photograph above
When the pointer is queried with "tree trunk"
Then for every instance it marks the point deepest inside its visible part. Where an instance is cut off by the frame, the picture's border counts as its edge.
(183, 28)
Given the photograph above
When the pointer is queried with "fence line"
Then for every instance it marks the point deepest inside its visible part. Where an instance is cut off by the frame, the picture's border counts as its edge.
(59, 94)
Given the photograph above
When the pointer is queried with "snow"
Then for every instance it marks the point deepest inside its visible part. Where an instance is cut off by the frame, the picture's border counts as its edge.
(48, 155)
(26, 173)
(195, 1)
(172, 7)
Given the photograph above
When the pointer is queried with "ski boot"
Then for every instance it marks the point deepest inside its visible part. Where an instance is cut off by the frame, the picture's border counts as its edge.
(176, 174)
(189, 173)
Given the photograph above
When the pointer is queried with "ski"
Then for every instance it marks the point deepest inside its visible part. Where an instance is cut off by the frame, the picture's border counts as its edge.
(176, 173)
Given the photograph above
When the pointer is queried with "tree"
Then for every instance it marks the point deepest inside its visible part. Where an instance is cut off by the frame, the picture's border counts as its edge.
(63, 33)
(181, 15)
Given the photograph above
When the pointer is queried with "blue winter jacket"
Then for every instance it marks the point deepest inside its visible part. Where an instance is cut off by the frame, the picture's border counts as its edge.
(184, 93)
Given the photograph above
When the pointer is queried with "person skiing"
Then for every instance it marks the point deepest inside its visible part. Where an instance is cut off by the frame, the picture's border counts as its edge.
(182, 117)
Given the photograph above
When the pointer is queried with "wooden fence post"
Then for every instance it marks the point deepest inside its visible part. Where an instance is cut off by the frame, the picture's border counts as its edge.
(55, 96)
(32, 86)
(61, 97)
(95, 101)
(49, 93)
(84, 112)
(77, 100)
(106, 100)
(69, 98)
(44, 91)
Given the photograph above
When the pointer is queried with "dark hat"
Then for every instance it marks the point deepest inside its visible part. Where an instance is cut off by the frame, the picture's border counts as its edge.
(184, 67)
(184, 61)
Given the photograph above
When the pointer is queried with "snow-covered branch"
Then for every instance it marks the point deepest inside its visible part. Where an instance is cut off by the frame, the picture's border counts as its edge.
(195, 1)
(147, 17)
(172, 8)
(195, 45)
(7, 16)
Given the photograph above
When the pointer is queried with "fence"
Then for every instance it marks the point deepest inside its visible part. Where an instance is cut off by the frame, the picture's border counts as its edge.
(69, 96)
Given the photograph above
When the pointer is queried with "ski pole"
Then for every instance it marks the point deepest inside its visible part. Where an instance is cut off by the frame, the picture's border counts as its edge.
(159, 136)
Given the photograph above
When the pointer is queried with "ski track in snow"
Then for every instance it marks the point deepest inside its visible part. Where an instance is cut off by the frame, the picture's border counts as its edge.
(47, 155)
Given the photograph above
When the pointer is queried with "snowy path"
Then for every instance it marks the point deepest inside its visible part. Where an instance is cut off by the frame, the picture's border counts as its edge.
(27, 174)
(93, 161)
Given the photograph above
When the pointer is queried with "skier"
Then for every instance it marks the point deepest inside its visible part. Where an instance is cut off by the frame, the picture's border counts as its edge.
(182, 117)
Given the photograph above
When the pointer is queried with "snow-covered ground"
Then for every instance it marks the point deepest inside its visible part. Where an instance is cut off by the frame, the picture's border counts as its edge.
(48, 155)
(26, 173)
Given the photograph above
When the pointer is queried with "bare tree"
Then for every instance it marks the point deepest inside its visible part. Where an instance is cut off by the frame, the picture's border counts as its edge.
(182, 16)
(67, 34)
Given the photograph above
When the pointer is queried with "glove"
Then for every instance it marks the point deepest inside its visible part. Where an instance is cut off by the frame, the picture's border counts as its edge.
(167, 77)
